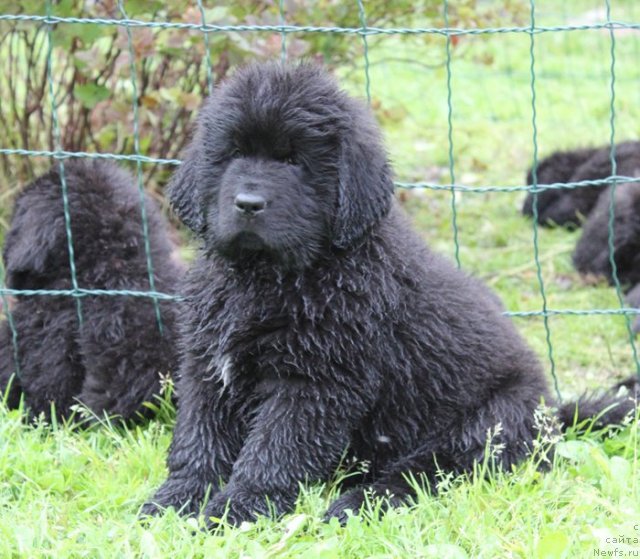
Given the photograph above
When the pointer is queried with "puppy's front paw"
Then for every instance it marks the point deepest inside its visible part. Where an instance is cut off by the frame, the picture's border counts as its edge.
(235, 506)
(240, 505)
(185, 497)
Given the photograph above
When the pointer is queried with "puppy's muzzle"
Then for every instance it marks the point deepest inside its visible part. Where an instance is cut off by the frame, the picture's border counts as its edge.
(249, 204)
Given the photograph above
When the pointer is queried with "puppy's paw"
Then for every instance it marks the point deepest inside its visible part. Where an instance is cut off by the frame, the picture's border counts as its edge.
(593, 261)
(356, 499)
(151, 508)
(561, 213)
(546, 200)
(231, 509)
(236, 506)
(184, 497)
(352, 501)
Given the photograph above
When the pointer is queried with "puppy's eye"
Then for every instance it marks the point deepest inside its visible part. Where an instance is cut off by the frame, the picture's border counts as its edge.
(290, 159)
(235, 153)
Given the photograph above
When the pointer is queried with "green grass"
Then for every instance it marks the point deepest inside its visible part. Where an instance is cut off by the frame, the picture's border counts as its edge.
(70, 494)
(66, 493)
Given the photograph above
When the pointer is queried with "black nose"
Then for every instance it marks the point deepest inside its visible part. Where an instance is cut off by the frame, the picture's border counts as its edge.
(250, 204)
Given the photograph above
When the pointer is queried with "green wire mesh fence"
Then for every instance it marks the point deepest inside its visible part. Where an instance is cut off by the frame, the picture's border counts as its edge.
(208, 33)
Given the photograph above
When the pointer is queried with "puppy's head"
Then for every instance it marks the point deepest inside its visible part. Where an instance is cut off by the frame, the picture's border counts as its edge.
(104, 215)
(284, 165)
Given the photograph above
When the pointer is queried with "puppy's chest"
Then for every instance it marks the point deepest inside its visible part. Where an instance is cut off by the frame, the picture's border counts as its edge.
(263, 340)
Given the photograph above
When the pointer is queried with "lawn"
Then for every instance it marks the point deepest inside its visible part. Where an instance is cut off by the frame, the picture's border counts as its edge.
(67, 493)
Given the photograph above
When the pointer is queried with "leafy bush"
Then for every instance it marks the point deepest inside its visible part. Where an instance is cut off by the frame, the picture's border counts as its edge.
(91, 65)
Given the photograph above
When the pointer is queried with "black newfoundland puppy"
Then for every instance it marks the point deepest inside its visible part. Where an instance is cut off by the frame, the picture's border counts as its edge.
(570, 207)
(113, 361)
(317, 323)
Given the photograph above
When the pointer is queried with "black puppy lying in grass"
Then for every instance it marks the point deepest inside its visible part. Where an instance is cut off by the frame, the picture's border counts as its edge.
(113, 361)
(316, 321)
(569, 207)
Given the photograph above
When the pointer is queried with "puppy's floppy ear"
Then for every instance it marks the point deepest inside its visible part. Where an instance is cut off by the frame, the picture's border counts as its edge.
(28, 245)
(365, 185)
(184, 191)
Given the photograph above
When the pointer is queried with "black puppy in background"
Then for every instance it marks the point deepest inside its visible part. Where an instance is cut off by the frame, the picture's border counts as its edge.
(114, 360)
(570, 207)
(316, 321)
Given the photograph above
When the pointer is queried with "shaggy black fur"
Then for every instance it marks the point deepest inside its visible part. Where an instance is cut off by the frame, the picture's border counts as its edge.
(569, 207)
(317, 321)
(112, 363)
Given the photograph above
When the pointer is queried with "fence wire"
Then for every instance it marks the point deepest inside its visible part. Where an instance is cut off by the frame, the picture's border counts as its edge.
(534, 175)
(283, 29)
